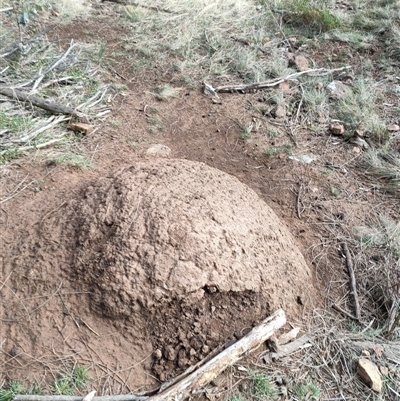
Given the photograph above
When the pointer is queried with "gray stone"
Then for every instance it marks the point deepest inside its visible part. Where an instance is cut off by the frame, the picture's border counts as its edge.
(338, 90)
(158, 150)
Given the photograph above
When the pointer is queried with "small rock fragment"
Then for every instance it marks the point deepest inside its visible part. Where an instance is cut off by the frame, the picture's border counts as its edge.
(279, 111)
(170, 353)
(336, 129)
(365, 352)
(384, 370)
(369, 374)
(301, 63)
(319, 86)
(158, 150)
(393, 128)
(285, 87)
(338, 90)
(157, 354)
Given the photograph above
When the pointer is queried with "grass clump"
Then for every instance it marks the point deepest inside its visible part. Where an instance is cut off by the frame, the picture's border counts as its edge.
(307, 391)
(72, 379)
(357, 111)
(383, 166)
(262, 386)
(165, 92)
(9, 154)
(304, 13)
(73, 160)
(14, 123)
(14, 387)
(279, 150)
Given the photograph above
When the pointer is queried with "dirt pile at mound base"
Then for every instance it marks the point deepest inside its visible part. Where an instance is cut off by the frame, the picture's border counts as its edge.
(185, 253)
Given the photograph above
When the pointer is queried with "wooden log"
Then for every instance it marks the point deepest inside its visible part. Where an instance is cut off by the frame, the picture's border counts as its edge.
(52, 107)
(196, 380)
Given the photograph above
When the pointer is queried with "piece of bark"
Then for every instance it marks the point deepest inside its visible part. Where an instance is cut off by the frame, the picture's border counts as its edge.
(52, 107)
(288, 349)
(289, 336)
(81, 127)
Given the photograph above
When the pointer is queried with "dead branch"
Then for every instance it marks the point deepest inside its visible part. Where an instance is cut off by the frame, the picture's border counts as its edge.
(194, 381)
(273, 82)
(132, 3)
(38, 79)
(52, 107)
(353, 287)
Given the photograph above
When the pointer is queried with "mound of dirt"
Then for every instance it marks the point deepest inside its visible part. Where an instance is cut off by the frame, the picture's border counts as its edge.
(187, 254)
(151, 268)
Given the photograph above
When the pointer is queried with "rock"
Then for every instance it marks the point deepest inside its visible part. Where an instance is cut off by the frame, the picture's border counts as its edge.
(279, 111)
(170, 353)
(157, 354)
(365, 352)
(301, 63)
(370, 374)
(358, 134)
(285, 87)
(338, 90)
(384, 370)
(359, 142)
(158, 150)
(319, 86)
(336, 129)
(393, 128)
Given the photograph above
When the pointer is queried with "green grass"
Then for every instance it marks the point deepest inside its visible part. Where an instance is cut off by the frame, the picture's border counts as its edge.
(9, 154)
(279, 150)
(307, 391)
(262, 386)
(75, 378)
(272, 132)
(306, 13)
(237, 397)
(246, 130)
(73, 160)
(14, 123)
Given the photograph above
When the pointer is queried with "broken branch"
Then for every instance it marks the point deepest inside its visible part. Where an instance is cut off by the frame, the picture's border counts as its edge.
(52, 107)
(273, 82)
(353, 287)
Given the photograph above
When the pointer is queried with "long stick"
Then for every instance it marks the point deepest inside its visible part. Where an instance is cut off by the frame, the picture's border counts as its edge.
(200, 377)
(353, 287)
(277, 81)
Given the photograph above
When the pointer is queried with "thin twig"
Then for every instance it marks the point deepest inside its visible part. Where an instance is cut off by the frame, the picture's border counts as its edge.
(353, 286)
(298, 201)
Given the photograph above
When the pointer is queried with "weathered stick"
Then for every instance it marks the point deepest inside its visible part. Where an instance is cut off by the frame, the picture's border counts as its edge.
(52, 107)
(277, 81)
(200, 377)
(288, 349)
(353, 286)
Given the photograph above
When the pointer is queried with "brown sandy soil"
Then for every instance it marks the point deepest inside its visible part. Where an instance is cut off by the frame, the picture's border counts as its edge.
(72, 270)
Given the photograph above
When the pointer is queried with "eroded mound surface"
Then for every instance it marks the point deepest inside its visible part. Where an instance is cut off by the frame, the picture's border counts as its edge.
(185, 253)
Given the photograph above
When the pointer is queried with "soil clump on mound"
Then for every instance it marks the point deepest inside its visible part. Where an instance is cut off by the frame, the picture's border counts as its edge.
(187, 254)
(163, 262)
